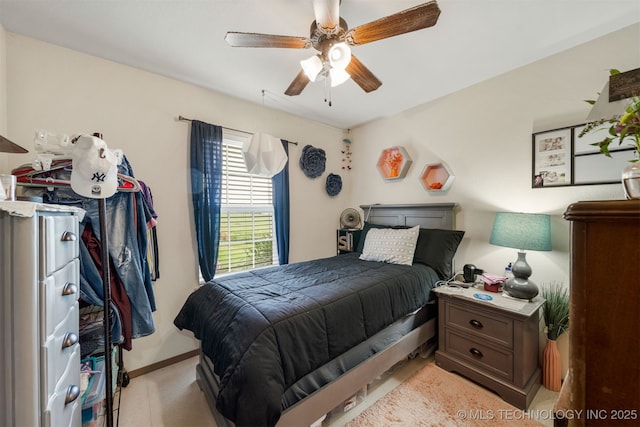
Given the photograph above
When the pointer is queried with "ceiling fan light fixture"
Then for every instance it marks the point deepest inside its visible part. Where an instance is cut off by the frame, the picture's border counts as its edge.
(339, 56)
(312, 67)
(330, 35)
(338, 76)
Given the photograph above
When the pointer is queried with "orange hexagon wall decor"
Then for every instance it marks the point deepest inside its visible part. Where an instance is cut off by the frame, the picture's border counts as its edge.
(436, 177)
(393, 163)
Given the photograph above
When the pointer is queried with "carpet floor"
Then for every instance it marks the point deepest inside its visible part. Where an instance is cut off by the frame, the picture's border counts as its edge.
(434, 397)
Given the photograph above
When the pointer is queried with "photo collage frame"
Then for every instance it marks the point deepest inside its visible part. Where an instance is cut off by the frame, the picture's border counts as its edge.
(562, 158)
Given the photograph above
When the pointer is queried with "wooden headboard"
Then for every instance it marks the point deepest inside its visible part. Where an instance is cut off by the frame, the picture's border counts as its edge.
(436, 215)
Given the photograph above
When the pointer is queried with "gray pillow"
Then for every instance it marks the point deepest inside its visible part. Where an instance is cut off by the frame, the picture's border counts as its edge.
(436, 248)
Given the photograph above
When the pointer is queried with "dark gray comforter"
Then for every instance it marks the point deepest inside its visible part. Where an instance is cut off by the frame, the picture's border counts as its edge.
(267, 328)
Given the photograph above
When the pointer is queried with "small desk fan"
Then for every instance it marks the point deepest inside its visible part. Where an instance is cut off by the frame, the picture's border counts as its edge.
(350, 219)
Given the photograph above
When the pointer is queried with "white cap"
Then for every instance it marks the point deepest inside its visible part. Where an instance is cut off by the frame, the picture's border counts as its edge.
(95, 168)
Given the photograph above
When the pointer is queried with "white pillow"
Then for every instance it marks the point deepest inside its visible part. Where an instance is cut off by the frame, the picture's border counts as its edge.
(392, 245)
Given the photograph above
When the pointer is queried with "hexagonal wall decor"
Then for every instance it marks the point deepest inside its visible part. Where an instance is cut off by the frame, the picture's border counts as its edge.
(436, 177)
(393, 163)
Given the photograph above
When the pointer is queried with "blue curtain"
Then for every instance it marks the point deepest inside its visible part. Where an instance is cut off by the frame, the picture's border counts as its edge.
(280, 184)
(206, 186)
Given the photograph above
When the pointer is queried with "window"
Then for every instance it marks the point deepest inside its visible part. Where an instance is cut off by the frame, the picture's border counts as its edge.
(247, 227)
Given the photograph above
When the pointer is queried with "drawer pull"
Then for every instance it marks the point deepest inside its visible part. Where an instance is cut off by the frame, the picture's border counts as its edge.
(69, 289)
(476, 324)
(475, 352)
(68, 236)
(73, 392)
(69, 339)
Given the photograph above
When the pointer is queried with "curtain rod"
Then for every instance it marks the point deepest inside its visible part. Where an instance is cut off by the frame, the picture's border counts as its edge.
(185, 119)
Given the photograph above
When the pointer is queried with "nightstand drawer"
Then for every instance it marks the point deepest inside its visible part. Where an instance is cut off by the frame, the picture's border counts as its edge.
(485, 357)
(493, 327)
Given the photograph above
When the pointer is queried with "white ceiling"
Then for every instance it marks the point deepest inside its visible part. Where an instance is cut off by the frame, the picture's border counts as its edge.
(474, 40)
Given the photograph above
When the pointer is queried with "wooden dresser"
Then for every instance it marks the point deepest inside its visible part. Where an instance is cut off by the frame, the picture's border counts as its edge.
(604, 339)
(39, 290)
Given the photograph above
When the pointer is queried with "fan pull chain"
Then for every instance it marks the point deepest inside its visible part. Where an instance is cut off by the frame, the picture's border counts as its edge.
(327, 89)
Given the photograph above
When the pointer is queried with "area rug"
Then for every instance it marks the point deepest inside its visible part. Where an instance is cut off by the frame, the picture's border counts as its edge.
(435, 397)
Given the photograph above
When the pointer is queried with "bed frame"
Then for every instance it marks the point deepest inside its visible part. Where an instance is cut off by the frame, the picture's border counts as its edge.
(322, 401)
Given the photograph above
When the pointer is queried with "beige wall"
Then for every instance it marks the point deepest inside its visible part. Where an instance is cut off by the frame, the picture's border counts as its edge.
(69, 92)
(483, 133)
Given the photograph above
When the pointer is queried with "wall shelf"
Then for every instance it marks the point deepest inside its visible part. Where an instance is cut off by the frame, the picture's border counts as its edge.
(436, 177)
(393, 163)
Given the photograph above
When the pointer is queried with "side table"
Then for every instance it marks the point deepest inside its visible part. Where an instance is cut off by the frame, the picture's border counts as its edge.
(491, 339)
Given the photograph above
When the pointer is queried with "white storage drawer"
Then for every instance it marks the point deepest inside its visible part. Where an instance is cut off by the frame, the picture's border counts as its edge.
(39, 291)
(62, 290)
(64, 404)
(60, 241)
(58, 350)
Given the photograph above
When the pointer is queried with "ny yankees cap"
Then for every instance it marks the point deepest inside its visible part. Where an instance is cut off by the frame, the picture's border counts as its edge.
(95, 168)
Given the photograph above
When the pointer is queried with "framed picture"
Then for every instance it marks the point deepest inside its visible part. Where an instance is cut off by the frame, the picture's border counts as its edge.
(562, 157)
(552, 156)
(590, 166)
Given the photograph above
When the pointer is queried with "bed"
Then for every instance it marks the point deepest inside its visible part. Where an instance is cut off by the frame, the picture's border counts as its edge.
(285, 345)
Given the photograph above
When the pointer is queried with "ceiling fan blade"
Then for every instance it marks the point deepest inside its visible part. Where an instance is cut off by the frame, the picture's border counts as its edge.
(298, 84)
(362, 76)
(237, 39)
(327, 15)
(7, 146)
(415, 18)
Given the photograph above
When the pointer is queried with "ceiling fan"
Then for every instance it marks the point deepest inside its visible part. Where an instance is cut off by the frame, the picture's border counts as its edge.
(331, 37)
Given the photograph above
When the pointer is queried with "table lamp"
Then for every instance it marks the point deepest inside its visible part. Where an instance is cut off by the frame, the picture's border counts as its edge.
(521, 231)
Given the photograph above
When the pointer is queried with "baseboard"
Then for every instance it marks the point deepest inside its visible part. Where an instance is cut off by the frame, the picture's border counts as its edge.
(163, 363)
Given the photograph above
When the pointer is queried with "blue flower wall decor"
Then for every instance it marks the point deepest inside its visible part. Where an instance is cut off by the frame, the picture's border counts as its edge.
(334, 184)
(312, 161)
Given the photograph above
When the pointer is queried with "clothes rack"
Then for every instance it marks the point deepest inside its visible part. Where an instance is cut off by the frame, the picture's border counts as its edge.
(29, 176)
(106, 289)
(50, 171)
(106, 292)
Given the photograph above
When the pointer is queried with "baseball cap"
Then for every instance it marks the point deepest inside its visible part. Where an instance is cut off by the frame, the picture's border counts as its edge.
(95, 168)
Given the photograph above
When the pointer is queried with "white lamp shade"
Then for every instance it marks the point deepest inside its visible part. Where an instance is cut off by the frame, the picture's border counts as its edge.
(339, 56)
(312, 67)
(338, 76)
(264, 155)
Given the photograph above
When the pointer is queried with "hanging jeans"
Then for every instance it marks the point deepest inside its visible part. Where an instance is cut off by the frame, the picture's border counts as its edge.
(119, 297)
(125, 222)
(91, 292)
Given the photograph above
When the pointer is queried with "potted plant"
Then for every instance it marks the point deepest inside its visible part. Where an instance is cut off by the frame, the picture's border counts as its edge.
(623, 127)
(555, 311)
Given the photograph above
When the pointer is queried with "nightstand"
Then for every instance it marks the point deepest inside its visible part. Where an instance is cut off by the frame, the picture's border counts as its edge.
(492, 342)
(347, 240)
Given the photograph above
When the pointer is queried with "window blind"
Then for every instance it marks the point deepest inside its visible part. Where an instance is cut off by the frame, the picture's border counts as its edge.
(247, 230)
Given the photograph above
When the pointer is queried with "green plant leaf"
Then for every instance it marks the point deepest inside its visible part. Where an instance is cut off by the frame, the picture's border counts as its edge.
(555, 309)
